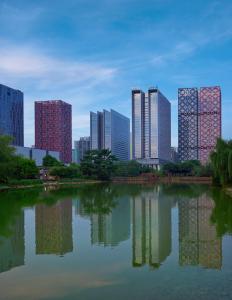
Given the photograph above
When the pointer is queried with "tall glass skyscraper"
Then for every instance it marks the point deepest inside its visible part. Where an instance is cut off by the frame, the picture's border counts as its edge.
(151, 125)
(199, 122)
(11, 114)
(110, 130)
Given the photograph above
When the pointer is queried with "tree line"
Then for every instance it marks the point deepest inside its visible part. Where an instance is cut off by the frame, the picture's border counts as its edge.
(102, 165)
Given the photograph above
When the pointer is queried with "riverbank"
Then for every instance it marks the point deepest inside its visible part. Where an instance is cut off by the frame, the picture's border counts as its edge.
(117, 180)
(166, 179)
(48, 184)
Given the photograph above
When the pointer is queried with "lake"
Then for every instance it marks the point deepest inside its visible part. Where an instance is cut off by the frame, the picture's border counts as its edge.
(116, 242)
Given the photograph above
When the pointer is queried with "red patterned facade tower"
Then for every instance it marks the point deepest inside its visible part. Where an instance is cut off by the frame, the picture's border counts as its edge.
(53, 127)
(209, 121)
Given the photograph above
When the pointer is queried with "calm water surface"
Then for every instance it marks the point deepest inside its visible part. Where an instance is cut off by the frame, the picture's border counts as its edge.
(116, 242)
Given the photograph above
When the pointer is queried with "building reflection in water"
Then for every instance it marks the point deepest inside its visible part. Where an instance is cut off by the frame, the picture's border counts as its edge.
(198, 241)
(151, 213)
(54, 228)
(12, 248)
(112, 228)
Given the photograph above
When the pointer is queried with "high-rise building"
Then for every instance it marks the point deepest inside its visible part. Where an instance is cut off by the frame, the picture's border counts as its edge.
(174, 154)
(209, 121)
(75, 156)
(188, 123)
(53, 127)
(199, 122)
(11, 114)
(82, 146)
(110, 130)
(151, 126)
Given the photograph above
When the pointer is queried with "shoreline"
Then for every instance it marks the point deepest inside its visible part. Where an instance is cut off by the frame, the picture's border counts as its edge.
(119, 180)
(51, 184)
(168, 180)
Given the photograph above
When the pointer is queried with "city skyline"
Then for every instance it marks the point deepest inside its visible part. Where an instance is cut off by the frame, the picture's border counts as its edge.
(102, 60)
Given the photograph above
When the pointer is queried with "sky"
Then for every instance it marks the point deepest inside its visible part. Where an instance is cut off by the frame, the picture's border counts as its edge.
(91, 53)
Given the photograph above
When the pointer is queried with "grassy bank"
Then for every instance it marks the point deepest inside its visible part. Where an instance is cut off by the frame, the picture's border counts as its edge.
(22, 184)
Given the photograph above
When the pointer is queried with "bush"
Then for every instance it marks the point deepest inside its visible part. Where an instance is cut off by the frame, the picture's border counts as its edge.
(50, 161)
(72, 171)
(128, 168)
(23, 168)
(187, 168)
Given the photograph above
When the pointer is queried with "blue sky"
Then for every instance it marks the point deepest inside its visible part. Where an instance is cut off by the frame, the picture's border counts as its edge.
(90, 53)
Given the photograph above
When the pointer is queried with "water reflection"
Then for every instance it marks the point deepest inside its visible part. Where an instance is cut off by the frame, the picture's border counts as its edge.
(151, 228)
(113, 228)
(140, 215)
(12, 249)
(199, 243)
(54, 228)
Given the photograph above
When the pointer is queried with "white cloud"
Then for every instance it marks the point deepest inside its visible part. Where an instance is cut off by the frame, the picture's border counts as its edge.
(28, 63)
(43, 77)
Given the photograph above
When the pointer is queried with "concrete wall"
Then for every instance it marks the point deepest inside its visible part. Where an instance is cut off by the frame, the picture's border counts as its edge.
(36, 154)
(24, 151)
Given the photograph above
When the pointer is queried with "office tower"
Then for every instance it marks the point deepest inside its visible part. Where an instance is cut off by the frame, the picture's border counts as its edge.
(82, 146)
(151, 126)
(11, 114)
(209, 122)
(151, 213)
(112, 228)
(75, 156)
(54, 228)
(110, 130)
(198, 240)
(188, 123)
(12, 248)
(199, 122)
(53, 127)
(174, 154)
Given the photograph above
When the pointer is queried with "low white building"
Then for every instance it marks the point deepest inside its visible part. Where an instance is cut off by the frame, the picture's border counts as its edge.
(36, 154)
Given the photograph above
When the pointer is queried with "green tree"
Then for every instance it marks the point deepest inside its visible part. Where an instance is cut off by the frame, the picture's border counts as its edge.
(72, 171)
(13, 166)
(98, 164)
(221, 160)
(187, 168)
(128, 168)
(6, 158)
(24, 168)
(50, 161)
